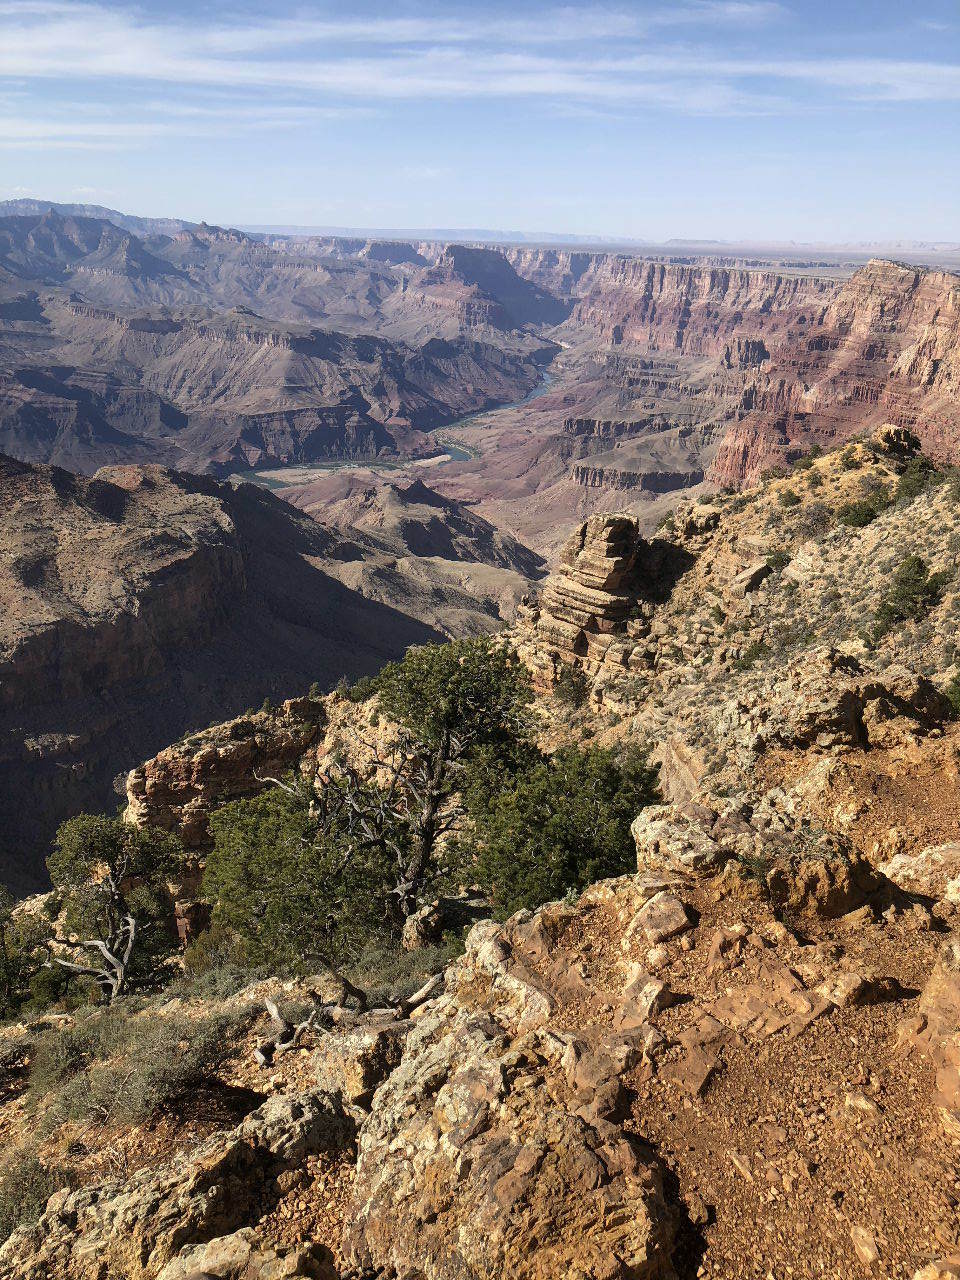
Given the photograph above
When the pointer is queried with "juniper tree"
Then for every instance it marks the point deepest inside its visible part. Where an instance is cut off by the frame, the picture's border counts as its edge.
(115, 913)
(312, 869)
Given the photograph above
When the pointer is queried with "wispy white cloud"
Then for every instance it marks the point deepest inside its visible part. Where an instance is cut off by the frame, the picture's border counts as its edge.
(310, 69)
(87, 128)
(47, 27)
(17, 133)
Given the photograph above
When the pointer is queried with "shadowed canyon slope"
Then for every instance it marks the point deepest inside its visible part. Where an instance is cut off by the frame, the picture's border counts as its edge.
(143, 602)
(140, 604)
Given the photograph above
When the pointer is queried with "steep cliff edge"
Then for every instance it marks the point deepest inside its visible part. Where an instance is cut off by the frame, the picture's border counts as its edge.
(694, 310)
(887, 349)
(144, 602)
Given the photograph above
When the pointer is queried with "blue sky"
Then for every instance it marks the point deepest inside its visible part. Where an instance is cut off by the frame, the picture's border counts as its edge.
(727, 119)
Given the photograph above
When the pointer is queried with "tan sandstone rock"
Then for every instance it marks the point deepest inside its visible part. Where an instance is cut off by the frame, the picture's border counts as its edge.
(493, 1149)
(134, 1227)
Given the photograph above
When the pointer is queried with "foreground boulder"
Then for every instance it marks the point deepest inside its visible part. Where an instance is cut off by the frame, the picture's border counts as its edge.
(495, 1148)
(935, 1031)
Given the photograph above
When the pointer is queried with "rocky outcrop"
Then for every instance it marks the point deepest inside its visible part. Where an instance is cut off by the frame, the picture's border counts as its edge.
(601, 1088)
(598, 582)
(934, 872)
(830, 699)
(745, 353)
(351, 1062)
(495, 1146)
(135, 1228)
(659, 1004)
(594, 604)
(177, 789)
(623, 481)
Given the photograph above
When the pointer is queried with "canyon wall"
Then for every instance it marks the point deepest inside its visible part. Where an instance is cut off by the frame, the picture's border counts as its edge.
(143, 603)
(810, 359)
(694, 310)
(887, 349)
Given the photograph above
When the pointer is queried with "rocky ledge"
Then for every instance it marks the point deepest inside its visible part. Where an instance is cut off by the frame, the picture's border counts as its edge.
(686, 1068)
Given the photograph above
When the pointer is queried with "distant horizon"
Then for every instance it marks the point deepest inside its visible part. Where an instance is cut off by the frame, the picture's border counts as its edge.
(826, 122)
(506, 236)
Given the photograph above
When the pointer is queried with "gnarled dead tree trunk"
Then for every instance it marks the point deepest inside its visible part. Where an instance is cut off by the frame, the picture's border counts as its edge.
(109, 957)
(289, 1035)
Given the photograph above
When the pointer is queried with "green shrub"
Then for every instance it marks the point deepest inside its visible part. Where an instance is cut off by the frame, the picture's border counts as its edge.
(561, 824)
(815, 520)
(806, 460)
(874, 499)
(361, 690)
(913, 592)
(752, 655)
(952, 692)
(290, 892)
(916, 478)
(22, 959)
(754, 866)
(789, 498)
(572, 687)
(117, 1064)
(778, 560)
(849, 459)
(26, 1184)
(389, 973)
(69, 1051)
(858, 514)
(215, 965)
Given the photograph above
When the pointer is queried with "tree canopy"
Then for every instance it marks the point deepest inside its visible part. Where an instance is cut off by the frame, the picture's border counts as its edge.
(294, 893)
(110, 880)
(558, 824)
(305, 873)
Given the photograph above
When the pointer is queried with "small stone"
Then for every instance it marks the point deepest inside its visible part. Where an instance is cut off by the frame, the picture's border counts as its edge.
(842, 989)
(860, 1103)
(865, 1245)
(664, 916)
(742, 1165)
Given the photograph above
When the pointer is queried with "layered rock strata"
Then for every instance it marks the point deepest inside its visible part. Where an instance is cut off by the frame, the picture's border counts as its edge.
(598, 602)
